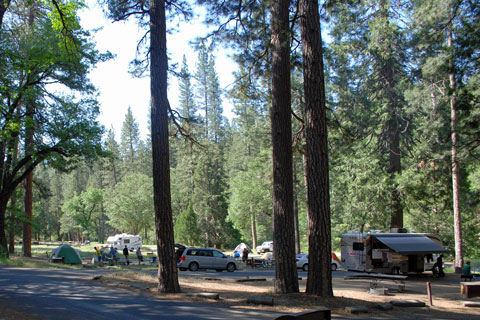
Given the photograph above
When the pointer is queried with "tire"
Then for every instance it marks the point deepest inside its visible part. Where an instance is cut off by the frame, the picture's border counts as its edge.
(305, 267)
(396, 271)
(334, 267)
(193, 266)
(230, 267)
(183, 269)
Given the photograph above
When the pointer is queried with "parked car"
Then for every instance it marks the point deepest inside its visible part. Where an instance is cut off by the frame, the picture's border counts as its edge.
(302, 262)
(267, 246)
(205, 258)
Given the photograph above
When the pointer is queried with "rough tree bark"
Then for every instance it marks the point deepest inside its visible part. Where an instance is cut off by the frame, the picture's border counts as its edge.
(167, 269)
(286, 277)
(457, 220)
(28, 188)
(319, 280)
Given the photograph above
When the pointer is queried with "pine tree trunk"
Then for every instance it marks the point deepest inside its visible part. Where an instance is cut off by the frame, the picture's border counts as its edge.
(167, 269)
(28, 187)
(457, 221)
(295, 209)
(13, 204)
(319, 281)
(27, 226)
(254, 227)
(11, 230)
(4, 196)
(286, 278)
(295, 221)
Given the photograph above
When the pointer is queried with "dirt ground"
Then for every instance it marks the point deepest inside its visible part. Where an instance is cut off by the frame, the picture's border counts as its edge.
(447, 300)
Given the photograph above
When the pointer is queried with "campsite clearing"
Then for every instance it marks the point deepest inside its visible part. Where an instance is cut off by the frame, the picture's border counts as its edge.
(447, 300)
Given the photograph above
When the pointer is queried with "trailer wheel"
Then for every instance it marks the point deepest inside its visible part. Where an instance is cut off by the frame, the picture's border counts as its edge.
(396, 271)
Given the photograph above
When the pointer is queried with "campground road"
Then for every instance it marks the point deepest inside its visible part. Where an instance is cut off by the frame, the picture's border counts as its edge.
(69, 294)
(267, 273)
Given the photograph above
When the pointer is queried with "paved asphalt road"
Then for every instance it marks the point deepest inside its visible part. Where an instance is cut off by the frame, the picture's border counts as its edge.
(267, 273)
(68, 294)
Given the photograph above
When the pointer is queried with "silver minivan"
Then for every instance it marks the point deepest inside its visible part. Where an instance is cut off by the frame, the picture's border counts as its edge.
(205, 258)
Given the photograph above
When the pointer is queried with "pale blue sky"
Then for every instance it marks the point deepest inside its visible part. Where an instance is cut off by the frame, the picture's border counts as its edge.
(118, 89)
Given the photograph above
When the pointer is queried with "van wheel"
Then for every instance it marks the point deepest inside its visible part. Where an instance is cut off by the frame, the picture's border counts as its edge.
(193, 266)
(334, 267)
(230, 267)
(396, 271)
(305, 267)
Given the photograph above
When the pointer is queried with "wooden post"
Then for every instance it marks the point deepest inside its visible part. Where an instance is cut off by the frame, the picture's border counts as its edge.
(429, 291)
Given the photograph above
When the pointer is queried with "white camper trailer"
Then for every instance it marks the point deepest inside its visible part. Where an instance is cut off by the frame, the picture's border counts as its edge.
(119, 241)
(389, 252)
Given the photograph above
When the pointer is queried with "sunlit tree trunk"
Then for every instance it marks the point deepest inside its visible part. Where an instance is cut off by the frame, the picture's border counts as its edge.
(254, 227)
(457, 221)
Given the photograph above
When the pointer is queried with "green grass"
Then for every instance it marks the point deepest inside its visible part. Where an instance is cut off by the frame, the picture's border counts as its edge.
(15, 261)
(43, 252)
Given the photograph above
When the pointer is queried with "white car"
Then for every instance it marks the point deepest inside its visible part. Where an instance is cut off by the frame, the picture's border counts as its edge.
(302, 262)
(267, 246)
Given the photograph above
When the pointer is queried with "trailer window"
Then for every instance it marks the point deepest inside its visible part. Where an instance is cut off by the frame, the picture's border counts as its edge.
(358, 246)
(126, 240)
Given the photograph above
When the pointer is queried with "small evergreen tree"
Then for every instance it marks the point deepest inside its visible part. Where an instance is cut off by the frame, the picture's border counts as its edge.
(186, 227)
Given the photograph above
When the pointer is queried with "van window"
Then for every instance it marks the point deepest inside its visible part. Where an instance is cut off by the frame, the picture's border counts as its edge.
(358, 246)
(217, 254)
(207, 253)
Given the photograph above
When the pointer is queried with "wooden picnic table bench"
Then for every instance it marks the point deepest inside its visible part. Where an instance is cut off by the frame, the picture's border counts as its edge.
(375, 278)
(254, 262)
(470, 289)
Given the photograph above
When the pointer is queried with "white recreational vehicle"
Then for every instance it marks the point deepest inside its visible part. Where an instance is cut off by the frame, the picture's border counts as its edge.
(119, 241)
(389, 252)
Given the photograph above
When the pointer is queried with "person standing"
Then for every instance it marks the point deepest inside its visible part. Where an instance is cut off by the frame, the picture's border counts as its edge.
(125, 253)
(139, 255)
(438, 267)
(113, 253)
(99, 256)
(245, 255)
(467, 271)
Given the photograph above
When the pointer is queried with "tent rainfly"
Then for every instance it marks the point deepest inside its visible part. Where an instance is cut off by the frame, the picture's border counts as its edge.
(69, 254)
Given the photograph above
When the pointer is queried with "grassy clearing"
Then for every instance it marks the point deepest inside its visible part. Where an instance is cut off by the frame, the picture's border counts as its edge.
(24, 262)
(41, 254)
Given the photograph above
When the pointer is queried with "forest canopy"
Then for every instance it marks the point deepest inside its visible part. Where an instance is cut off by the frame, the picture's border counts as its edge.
(392, 71)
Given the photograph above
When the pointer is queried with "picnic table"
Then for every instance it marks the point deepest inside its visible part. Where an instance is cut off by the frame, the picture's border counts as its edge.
(259, 262)
(470, 289)
(375, 278)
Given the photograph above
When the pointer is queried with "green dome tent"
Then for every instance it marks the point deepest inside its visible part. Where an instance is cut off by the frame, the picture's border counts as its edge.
(69, 254)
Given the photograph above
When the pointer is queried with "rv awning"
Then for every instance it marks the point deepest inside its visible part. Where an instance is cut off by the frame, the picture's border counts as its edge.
(411, 244)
